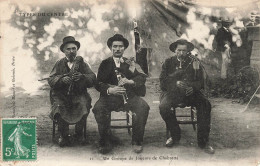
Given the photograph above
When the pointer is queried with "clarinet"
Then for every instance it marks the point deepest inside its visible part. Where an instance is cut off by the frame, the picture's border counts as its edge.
(119, 77)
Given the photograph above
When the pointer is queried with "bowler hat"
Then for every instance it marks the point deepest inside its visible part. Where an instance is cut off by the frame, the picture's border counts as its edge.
(69, 39)
(174, 45)
(117, 37)
(226, 20)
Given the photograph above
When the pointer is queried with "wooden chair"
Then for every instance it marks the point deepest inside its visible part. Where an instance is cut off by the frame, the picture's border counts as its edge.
(55, 123)
(128, 119)
(191, 118)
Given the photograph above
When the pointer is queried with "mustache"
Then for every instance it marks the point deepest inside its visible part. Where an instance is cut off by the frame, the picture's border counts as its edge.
(72, 54)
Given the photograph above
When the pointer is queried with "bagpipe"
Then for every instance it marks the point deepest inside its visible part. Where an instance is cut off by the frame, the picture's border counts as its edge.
(196, 64)
(75, 68)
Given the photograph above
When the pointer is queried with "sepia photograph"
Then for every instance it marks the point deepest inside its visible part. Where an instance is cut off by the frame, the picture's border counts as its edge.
(130, 82)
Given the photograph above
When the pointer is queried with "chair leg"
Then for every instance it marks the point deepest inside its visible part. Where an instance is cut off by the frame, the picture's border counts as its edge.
(192, 118)
(53, 130)
(85, 129)
(128, 122)
(194, 127)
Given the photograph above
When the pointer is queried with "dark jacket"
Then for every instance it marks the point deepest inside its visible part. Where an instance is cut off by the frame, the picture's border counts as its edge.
(223, 37)
(106, 77)
(171, 73)
(72, 107)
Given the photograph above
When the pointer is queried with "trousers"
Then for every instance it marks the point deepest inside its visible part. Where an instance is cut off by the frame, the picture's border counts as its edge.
(63, 127)
(106, 104)
(203, 106)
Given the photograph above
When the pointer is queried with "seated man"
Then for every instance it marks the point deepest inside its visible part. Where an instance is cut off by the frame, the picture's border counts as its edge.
(69, 80)
(181, 81)
(121, 83)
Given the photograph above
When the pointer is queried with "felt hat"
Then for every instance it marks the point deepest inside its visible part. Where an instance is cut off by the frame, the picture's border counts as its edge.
(117, 37)
(69, 39)
(174, 45)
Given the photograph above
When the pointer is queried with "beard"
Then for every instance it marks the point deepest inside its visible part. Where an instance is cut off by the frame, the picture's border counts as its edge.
(71, 56)
(182, 56)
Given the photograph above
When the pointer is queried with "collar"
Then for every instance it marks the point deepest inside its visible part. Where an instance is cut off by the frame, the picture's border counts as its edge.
(70, 64)
(183, 60)
(118, 61)
(68, 59)
(226, 29)
(121, 60)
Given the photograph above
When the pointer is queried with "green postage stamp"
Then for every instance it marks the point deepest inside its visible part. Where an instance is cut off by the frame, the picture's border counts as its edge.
(19, 139)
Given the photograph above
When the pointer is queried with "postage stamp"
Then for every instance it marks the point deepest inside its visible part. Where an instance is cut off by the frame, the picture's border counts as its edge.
(19, 139)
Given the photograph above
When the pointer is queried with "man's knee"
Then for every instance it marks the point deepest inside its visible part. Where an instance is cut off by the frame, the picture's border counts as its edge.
(203, 103)
(98, 107)
(144, 104)
(207, 105)
(164, 108)
(139, 104)
(100, 112)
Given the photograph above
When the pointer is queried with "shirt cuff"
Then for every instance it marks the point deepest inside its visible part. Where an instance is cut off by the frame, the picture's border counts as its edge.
(134, 85)
(132, 69)
(108, 92)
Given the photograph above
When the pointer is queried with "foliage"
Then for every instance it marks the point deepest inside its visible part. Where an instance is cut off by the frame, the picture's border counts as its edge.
(241, 86)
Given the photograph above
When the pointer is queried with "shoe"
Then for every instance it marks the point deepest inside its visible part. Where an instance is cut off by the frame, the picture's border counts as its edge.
(83, 141)
(137, 148)
(114, 140)
(62, 141)
(170, 142)
(209, 149)
(104, 148)
(80, 139)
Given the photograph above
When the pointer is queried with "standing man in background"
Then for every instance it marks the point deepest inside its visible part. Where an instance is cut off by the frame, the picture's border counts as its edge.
(224, 44)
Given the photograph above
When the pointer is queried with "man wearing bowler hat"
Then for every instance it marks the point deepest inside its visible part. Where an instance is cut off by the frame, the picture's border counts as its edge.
(69, 80)
(121, 83)
(182, 82)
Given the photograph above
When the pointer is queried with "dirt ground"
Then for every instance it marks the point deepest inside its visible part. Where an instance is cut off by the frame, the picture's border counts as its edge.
(234, 134)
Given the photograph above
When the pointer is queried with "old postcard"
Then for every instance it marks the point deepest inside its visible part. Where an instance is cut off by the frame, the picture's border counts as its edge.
(144, 82)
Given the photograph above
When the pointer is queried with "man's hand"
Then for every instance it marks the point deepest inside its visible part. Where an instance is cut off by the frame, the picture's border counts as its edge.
(124, 81)
(117, 90)
(189, 91)
(77, 76)
(181, 84)
(66, 79)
